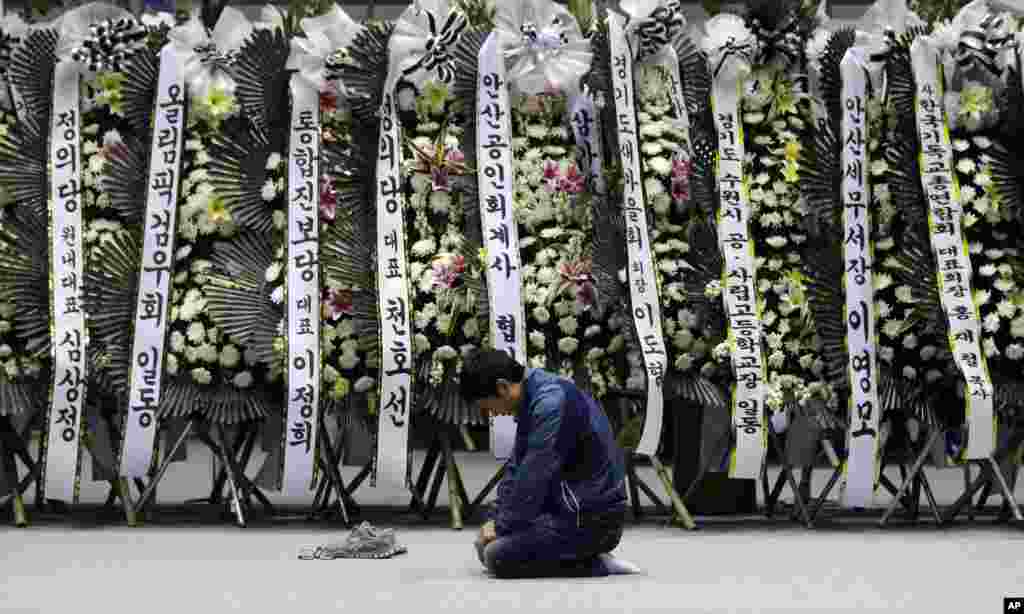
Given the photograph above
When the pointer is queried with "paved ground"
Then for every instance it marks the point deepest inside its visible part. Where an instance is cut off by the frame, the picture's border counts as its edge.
(177, 565)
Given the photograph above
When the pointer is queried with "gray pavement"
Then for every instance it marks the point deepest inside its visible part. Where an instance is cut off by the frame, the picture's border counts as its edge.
(177, 565)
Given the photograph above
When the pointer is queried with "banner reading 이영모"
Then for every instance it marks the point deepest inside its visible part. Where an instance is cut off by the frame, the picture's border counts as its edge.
(861, 466)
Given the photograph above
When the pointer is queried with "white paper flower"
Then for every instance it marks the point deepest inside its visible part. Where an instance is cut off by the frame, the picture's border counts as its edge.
(325, 36)
(423, 43)
(726, 34)
(543, 45)
(206, 54)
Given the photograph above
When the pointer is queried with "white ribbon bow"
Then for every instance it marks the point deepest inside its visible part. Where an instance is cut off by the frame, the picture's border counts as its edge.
(653, 24)
(325, 37)
(99, 36)
(884, 20)
(544, 45)
(727, 35)
(207, 55)
(423, 41)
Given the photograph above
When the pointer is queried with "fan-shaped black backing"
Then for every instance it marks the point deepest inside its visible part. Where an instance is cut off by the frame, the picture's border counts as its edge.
(111, 289)
(237, 171)
(23, 167)
(125, 178)
(19, 396)
(262, 81)
(693, 68)
(824, 272)
(1007, 177)
(220, 403)
(901, 87)
(703, 183)
(599, 78)
(364, 75)
(695, 389)
(609, 259)
(705, 265)
(31, 73)
(25, 278)
(918, 272)
(831, 76)
(903, 175)
(444, 402)
(821, 182)
(238, 297)
(138, 91)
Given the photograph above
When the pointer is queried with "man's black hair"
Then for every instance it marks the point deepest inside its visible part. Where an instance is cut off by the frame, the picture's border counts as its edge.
(482, 370)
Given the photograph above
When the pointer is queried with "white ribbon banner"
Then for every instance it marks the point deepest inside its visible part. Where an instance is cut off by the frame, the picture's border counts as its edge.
(501, 238)
(155, 270)
(303, 290)
(861, 467)
(739, 288)
(945, 212)
(395, 399)
(67, 393)
(643, 285)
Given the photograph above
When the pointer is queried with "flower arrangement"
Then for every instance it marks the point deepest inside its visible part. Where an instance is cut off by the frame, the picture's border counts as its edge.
(776, 119)
(667, 167)
(551, 209)
(441, 261)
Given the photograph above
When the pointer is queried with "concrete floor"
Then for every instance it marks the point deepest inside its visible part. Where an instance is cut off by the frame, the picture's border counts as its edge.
(175, 564)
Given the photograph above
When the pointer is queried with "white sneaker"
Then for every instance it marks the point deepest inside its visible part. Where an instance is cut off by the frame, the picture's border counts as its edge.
(618, 567)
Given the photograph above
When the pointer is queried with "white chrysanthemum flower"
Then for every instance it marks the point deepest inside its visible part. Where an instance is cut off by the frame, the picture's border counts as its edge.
(1006, 309)
(541, 314)
(882, 309)
(909, 372)
(991, 322)
(982, 297)
(471, 328)
(987, 270)
(653, 187)
(660, 165)
(910, 341)
(424, 248)
(273, 272)
(364, 384)
(171, 364)
(904, 294)
(1004, 285)
(177, 341)
(230, 356)
(592, 331)
(989, 347)
(969, 219)
(776, 241)
(568, 325)
(1015, 351)
(886, 353)
(537, 339)
(568, 345)
(269, 191)
(928, 352)
(885, 244)
(277, 295)
(274, 160)
(961, 145)
(1017, 327)
(683, 339)
(892, 328)
(966, 166)
(774, 340)
(445, 352)
(196, 332)
(201, 376)
(440, 201)
(348, 361)
(616, 345)
(879, 167)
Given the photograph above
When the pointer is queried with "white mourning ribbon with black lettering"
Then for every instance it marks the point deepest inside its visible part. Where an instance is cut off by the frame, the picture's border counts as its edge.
(68, 341)
(861, 468)
(495, 181)
(643, 282)
(739, 287)
(303, 289)
(945, 213)
(156, 268)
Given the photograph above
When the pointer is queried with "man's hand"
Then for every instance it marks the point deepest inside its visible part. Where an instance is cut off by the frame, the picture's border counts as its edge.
(487, 533)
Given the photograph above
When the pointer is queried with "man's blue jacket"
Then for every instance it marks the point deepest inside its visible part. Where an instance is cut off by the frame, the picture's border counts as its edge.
(565, 463)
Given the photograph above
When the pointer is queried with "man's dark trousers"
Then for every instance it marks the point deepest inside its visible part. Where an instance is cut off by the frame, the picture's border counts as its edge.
(555, 547)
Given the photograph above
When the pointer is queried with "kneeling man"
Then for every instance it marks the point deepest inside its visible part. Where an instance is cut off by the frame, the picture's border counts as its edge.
(562, 502)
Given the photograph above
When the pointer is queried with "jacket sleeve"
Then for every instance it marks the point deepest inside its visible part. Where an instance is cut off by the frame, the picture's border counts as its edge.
(506, 479)
(526, 486)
